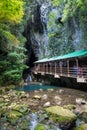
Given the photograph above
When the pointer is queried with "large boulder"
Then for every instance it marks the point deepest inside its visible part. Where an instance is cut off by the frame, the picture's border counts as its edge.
(62, 116)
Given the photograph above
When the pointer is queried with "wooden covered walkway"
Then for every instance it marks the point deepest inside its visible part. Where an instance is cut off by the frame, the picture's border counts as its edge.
(73, 65)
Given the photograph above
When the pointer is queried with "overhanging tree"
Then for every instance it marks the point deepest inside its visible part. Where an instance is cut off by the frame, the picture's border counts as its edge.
(11, 47)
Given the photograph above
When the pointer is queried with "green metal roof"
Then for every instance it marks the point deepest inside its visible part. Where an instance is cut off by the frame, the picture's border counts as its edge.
(81, 53)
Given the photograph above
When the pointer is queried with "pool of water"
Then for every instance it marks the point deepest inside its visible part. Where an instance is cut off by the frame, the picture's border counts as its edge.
(36, 87)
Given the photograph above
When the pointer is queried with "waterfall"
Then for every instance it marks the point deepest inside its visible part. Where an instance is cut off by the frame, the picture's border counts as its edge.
(28, 80)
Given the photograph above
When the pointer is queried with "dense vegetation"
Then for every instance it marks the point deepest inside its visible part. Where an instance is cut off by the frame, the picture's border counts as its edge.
(11, 42)
(65, 35)
(70, 33)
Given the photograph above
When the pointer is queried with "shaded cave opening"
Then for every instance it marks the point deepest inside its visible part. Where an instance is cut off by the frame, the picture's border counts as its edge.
(34, 25)
(31, 58)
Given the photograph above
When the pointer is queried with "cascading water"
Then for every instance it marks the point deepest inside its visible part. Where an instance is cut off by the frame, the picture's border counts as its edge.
(33, 121)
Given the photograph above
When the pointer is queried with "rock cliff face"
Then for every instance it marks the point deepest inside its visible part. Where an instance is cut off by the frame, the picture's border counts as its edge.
(68, 36)
(36, 34)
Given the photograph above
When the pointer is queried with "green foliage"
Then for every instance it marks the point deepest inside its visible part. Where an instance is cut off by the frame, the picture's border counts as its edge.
(54, 46)
(71, 7)
(11, 10)
(12, 67)
(74, 18)
(57, 2)
(12, 58)
(52, 16)
(6, 40)
(40, 127)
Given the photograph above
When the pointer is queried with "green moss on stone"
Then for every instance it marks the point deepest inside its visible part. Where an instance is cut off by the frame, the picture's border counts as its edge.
(82, 127)
(69, 106)
(40, 127)
(60, 115)
(13, 116)
(23, 125)
(3, 110)
(23, 108)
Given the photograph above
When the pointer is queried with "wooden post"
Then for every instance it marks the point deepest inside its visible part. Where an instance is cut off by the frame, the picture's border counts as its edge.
(50, 67)
(77, 64)
(40, 68)
(46, 67)
(34, 68)
(68, 68)
(60, 68)
(55, 67)
(43, 67)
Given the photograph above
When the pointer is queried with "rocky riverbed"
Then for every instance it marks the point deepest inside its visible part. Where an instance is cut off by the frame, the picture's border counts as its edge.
(21, 110)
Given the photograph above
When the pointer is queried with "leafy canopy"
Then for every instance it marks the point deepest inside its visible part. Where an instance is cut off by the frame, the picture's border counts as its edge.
(70, 7)
(11, 11)
(12, 49)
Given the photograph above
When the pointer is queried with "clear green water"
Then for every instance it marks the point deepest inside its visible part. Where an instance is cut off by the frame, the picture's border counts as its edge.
(36, 87)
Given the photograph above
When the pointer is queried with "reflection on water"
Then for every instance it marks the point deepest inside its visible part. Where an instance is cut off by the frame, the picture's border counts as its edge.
(36, 87)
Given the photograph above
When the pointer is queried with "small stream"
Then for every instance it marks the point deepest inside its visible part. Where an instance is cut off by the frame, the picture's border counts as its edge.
(32, 100)
(64, 95)
(35, 121)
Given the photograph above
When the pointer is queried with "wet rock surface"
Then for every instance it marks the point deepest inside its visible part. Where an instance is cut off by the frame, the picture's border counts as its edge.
(16, 107)
(60, 115)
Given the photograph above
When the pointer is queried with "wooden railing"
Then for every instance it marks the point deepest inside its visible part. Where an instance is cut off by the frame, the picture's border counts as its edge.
(62, 71)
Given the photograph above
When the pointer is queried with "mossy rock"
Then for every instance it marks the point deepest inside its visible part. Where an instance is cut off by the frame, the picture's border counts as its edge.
(3, 110)
(70, 106)
(21, 108)
(13, 116)
(85, 113)
(18, 93)
(40, 127)
(82, 127)
(3, 104)
(1, 99)
(60, 115)
(23, 125)
(2, 90)
(7, 88)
